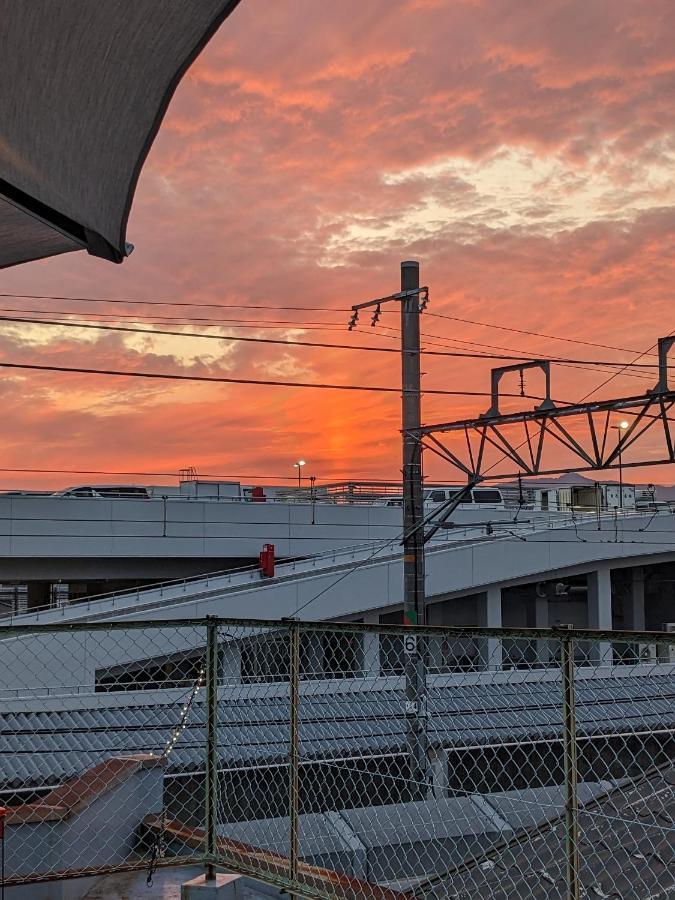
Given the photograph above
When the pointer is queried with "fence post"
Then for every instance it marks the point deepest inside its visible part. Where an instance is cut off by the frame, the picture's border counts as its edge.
(211, 780)
(294, 752)
(571, 772)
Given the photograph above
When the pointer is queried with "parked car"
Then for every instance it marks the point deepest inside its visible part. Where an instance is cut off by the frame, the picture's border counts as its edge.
(107, 491)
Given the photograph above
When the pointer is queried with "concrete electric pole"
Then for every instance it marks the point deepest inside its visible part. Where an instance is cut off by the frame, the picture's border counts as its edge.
(414, 606)
(413, 300)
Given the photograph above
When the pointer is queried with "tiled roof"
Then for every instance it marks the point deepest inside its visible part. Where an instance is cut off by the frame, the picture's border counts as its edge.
(43, 747)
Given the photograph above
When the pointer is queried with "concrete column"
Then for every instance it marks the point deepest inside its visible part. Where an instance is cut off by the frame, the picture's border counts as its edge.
(435, 645)
(634, 615)
(370, 648)
(38, 594)
(440, 777)
(435, 655)
(230, 662)
(490, 616)
(312, 653)
(599, 610)
(542, 620)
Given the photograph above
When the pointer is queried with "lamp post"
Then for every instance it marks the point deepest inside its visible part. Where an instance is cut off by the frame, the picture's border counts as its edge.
(298, 465)
(622, 426)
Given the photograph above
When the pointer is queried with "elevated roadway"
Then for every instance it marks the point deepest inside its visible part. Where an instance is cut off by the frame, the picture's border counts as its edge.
(359, 581)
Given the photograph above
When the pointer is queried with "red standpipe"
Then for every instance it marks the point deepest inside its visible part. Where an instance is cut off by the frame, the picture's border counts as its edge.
(267, 560)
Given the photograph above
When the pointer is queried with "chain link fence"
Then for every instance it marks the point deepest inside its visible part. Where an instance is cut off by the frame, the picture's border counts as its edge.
(528, 764)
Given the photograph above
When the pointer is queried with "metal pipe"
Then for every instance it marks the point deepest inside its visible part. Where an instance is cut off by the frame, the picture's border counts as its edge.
(571, 771)
(211, 781)
(294, 753)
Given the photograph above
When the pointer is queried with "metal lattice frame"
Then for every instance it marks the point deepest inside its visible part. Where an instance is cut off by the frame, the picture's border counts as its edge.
(584, 430)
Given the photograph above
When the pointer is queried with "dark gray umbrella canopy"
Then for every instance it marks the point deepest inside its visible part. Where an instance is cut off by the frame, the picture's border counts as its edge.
(84, 85)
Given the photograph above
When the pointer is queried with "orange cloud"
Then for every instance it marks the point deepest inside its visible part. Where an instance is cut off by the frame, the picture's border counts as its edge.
(522, 151)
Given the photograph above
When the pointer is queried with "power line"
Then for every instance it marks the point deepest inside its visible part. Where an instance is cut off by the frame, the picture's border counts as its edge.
(81, 370)
(253, 340)
(176, 318)
(582, 364)
(253, 324)
(616, 374)
(205, 475)
(552, 337)
(289, 308)
(182, 303)
(192, 320)
(297, 343)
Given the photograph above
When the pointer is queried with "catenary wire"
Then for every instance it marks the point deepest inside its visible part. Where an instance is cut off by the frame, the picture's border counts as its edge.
(253, 340)
(299, 308)
(181, 303)
(523, 331)
(323, 345)
(219, 379)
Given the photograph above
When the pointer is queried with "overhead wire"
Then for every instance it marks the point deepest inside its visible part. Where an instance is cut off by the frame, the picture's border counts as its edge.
(524, 331)
(174, 474)
(617, 374)
(254, 340)
(304, 308)
(202, 321)
(181, 303)
(293, 308)
(217, 379)
(582, 364)
(323, 345)
(623, 367)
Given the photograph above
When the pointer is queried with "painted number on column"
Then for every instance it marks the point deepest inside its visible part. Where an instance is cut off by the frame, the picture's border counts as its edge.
(410, 644)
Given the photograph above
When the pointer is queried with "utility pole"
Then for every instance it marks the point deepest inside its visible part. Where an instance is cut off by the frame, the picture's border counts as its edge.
(413, 300)
(414, 606)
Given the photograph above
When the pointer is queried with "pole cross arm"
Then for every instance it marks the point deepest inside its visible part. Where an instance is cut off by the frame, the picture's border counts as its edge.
(422, 292)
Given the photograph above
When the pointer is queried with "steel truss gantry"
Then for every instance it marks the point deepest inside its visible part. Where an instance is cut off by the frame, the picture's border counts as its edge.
(523, 441)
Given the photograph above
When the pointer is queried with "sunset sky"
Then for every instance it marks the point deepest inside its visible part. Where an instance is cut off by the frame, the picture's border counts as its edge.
(523, 151)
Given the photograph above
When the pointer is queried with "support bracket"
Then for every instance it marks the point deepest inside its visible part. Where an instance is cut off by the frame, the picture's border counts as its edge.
(497, 374)
(665, 343)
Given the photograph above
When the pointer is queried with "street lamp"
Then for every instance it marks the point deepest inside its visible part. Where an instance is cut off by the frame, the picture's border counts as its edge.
(298, 465)
(622, 426)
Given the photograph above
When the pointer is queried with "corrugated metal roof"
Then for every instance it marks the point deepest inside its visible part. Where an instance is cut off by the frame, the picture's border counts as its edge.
(43, 747)
(402, 841)
(627, 848)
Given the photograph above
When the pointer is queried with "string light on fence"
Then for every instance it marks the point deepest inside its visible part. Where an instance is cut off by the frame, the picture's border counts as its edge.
(182, 725)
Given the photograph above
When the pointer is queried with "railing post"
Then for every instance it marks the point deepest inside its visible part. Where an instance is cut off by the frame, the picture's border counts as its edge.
(571, 772)
(294, 752)
(211, 780)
